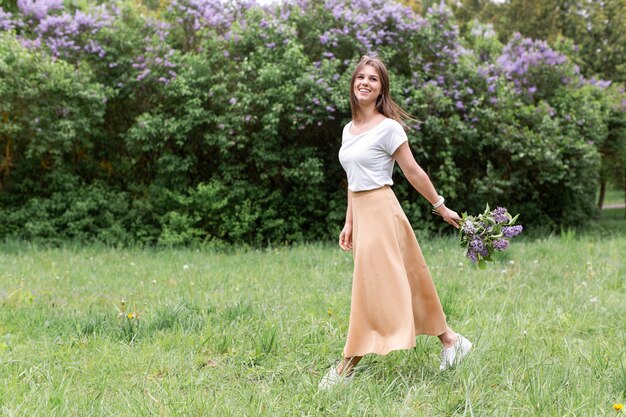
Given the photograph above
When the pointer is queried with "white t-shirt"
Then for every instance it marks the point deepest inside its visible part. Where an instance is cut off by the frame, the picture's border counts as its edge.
(367, 157)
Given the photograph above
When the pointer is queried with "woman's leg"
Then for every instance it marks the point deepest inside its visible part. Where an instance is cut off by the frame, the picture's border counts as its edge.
(348, 363)
(455, 347)
(448, 338)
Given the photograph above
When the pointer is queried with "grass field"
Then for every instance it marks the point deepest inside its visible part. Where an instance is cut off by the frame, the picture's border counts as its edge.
(94, 331)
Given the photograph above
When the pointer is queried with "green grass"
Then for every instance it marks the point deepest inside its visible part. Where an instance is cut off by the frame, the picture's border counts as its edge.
(251, 332)
(614, 196)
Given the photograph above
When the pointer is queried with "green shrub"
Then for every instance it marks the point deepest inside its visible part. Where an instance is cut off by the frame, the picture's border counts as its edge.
(186, 129)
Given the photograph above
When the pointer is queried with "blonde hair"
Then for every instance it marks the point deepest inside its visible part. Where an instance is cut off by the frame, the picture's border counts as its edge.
(384, 103)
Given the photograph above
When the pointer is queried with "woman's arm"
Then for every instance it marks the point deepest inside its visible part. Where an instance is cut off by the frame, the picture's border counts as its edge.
(345, 237)
(420, 181)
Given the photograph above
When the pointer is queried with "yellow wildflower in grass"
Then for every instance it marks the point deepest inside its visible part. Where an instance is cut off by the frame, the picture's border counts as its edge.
(618, 407)
(130, 316)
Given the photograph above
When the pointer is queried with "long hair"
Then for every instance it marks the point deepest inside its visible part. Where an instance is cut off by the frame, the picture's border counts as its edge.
(384, 103)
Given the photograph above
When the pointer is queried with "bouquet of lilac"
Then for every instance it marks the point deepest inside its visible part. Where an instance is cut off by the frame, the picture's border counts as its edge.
(486, 233)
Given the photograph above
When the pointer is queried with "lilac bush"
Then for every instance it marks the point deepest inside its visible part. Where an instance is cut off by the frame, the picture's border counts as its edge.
(229, 103)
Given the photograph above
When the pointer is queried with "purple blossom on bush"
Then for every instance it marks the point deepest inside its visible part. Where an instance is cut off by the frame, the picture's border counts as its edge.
(356, 20)
(524, 61)
(63, 34)
(38, 9)
(155, 61)
(603, 84)
(6, 21)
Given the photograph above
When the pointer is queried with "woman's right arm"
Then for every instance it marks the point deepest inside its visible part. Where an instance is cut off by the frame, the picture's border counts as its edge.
(345, 237)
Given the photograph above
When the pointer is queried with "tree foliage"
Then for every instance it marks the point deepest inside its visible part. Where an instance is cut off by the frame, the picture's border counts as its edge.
(179, 122)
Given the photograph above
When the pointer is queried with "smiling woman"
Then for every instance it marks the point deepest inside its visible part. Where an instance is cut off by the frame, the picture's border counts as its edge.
(393, 295)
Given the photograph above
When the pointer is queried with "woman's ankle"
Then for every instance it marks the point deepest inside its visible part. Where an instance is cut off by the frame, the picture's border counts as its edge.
(448, 338)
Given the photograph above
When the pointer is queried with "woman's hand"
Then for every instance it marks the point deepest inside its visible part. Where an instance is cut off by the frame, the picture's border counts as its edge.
(449, 216)
(345, 237)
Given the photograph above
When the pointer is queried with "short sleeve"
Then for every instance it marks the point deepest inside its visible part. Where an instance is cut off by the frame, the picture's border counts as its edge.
(394, 137)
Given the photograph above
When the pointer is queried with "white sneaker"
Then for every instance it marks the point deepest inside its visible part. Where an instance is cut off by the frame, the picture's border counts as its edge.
(332, 378)
(453, 355)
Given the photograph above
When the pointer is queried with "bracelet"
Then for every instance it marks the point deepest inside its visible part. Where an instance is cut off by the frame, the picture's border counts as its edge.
(439, 202)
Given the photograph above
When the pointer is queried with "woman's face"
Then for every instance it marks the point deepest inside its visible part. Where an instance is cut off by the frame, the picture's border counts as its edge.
(367, 85)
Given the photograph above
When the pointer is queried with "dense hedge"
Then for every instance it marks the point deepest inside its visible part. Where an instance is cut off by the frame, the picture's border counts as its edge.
(196, 121)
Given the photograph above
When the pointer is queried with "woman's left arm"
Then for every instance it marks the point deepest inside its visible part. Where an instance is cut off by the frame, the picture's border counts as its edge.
(420, 181)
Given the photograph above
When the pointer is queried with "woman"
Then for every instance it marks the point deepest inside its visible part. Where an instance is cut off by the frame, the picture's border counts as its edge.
(393, 295)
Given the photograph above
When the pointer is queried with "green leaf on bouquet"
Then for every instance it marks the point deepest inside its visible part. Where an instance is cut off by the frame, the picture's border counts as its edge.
(482, 264)
(513, 220)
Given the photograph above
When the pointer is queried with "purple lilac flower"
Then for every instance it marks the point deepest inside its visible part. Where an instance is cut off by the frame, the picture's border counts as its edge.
(392, 23)
(603, 84)
(499, 215)
(500, 244)
(522, 57)
(472, 256)
(6, 23)
(38, 8)
(232, 101)
(477, 245)
(63, 34)
(511, 231)
(468, 227)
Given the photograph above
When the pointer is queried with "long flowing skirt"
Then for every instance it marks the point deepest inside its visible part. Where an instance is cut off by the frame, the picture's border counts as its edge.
(393, 295)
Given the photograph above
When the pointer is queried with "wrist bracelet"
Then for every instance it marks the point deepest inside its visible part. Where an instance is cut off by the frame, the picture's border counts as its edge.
(439, 202)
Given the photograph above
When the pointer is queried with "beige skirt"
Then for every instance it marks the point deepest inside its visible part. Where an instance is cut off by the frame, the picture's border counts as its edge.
(393, 296)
